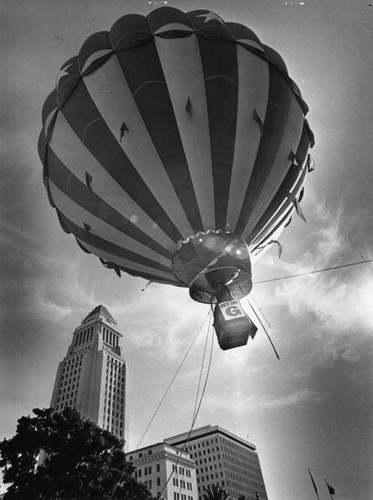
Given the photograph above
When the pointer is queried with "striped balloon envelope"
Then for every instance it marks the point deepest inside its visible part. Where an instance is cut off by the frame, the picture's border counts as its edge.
(175, 148)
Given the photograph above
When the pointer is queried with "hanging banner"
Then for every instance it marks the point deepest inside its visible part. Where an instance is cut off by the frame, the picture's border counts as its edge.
(231, 309)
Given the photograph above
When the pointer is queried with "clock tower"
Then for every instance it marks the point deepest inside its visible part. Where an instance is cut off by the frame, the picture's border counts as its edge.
(92, 376)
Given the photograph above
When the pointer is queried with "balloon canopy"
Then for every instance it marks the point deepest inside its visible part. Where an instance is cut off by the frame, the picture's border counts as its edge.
(175, 147)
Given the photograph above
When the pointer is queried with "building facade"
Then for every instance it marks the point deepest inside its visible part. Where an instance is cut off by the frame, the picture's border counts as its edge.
(167, 471)
(92, 376)
(224, 459)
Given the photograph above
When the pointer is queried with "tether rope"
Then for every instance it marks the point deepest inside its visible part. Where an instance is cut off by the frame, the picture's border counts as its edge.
(196, 406)
(162, 399)
(366, 261)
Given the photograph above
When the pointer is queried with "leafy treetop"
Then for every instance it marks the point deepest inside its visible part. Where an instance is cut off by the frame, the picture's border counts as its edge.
(215, 492)
(61, 456)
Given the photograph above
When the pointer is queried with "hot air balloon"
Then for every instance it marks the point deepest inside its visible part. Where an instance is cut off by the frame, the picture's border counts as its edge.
(175, 148)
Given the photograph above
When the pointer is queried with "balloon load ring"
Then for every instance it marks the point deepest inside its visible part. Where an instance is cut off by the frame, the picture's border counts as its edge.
(213, 263)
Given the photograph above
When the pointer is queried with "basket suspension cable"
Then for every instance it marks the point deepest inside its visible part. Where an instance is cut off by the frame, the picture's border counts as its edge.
(201, 369)
(172, 381)
(261, 310)
(264, 328)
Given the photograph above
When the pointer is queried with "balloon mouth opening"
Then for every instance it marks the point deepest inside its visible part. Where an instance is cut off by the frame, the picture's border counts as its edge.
(213, 264)
(212, 286)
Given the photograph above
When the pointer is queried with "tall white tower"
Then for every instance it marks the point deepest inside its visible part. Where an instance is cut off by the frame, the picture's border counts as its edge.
(92, 376)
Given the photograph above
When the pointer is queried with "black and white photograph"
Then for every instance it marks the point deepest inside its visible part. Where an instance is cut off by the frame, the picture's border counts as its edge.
(186, 250)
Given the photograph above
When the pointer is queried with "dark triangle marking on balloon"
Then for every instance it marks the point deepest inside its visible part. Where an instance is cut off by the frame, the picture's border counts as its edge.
(123, 130)
(149, 89)
(219, 61)
(88, 179)
(188, 107)
(259, 121)
(97, 137)
(92, 203)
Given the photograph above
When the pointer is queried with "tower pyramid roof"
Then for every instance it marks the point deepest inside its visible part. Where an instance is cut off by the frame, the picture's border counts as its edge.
(100, 310)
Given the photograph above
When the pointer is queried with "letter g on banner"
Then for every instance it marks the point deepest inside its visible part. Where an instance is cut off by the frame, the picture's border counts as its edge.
(231, 310)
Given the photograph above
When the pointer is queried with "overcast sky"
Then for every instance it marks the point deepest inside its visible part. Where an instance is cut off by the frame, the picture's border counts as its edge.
(313, 408)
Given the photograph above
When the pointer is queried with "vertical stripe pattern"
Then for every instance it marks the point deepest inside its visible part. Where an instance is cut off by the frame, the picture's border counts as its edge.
(167, 126)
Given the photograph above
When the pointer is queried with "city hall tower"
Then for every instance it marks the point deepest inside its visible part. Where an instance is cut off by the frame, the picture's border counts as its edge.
(92, 376)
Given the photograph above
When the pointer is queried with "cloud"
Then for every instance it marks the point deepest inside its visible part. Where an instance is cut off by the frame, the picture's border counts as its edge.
(239, 403)
(336, 300)
(51, 310)
(336, 306)
(162, 319)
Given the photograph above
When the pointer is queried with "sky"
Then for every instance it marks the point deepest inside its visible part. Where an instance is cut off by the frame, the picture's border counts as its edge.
(312, 409)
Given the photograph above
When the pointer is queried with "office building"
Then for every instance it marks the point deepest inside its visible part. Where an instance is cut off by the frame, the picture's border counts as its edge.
(224, 459)
(167, 471)
(92, 375)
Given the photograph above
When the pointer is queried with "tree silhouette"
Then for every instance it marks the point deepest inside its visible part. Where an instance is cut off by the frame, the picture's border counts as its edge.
(215, 492)
(60, 456)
